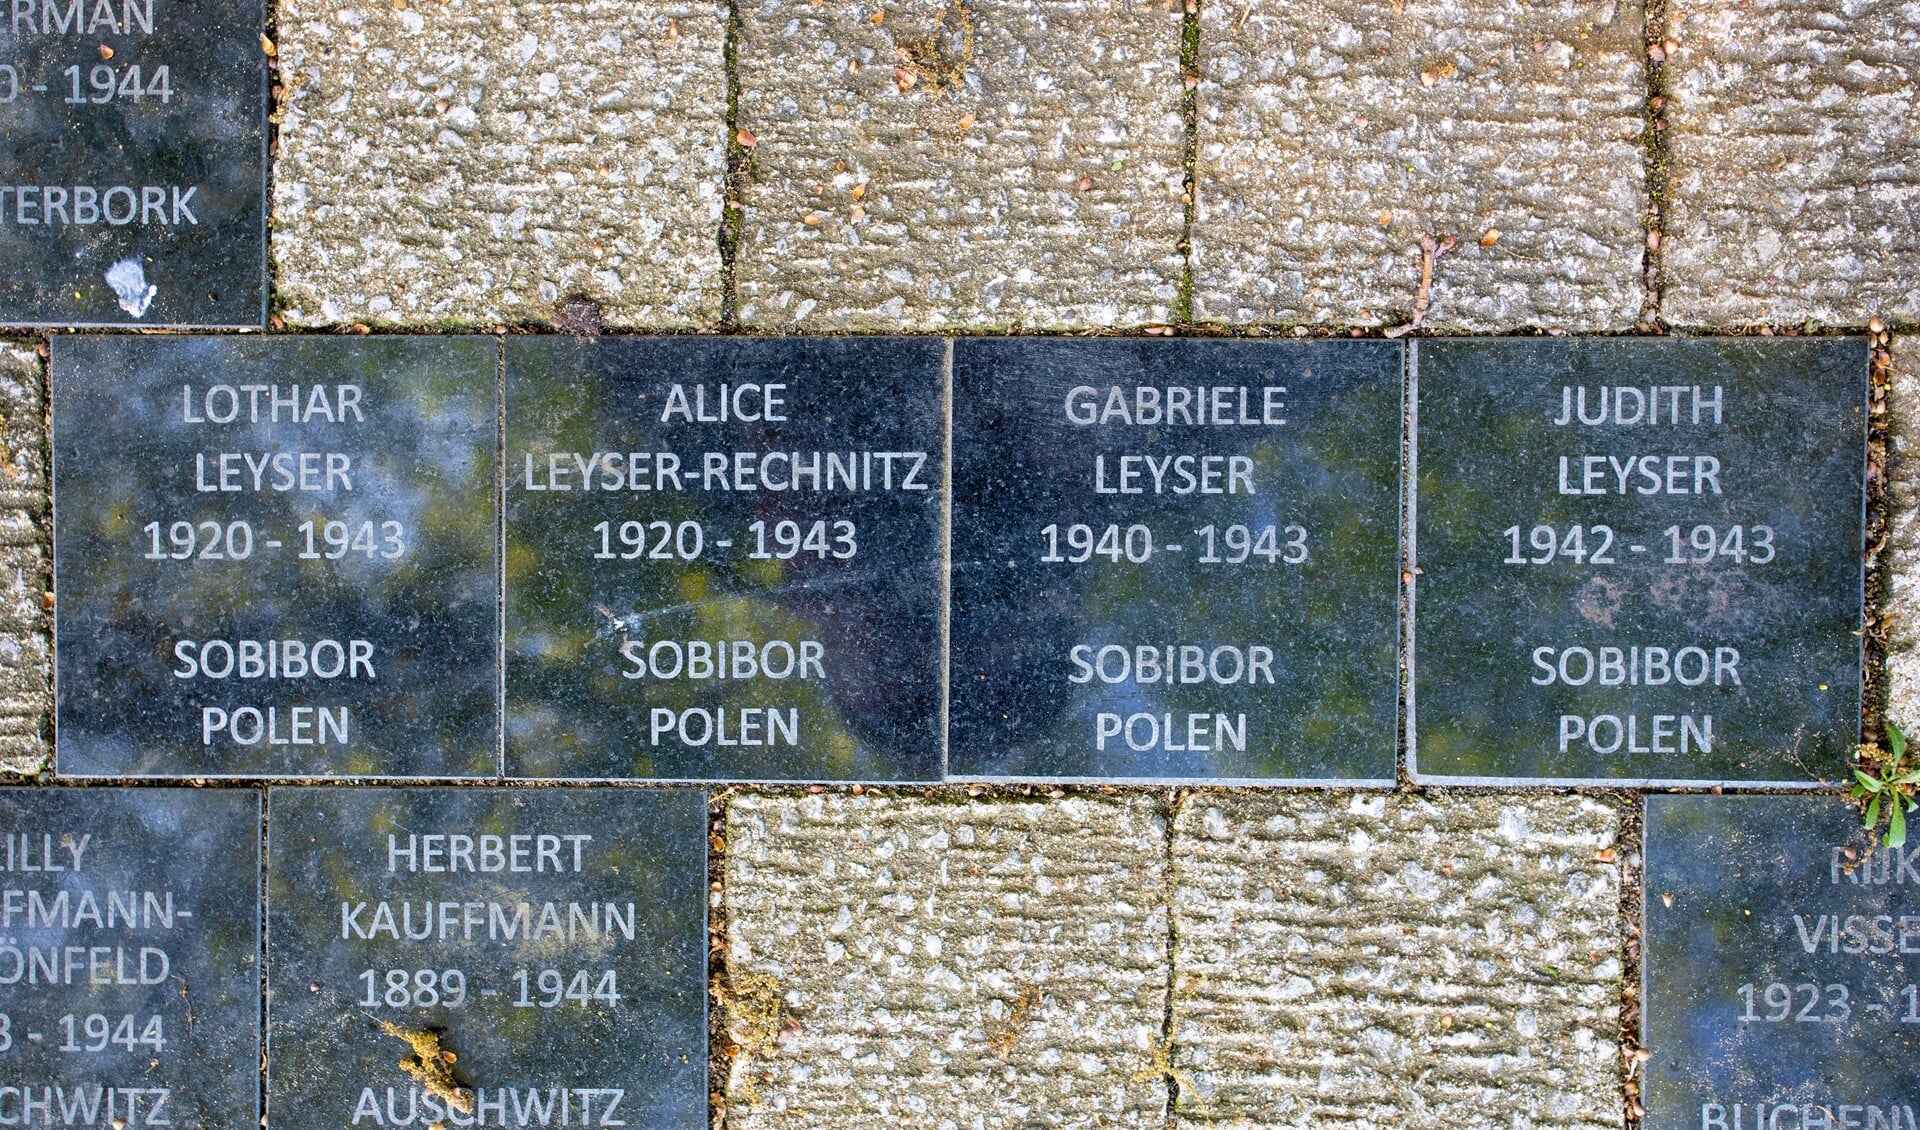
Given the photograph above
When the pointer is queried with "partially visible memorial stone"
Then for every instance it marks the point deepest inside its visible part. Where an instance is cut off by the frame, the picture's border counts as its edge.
(1175, 559)
(487, 957)
(1780, 965)
(132, 163)
(723, 558)
(276, 557)
(129, 957)
(1640, 559)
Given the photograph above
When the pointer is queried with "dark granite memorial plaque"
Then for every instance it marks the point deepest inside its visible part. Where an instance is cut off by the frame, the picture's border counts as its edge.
(723, 558)
(1780, 965)
(1641, 559)
(1175, 559)
(129, 958)
(276, 557)
(132, 162)
(487, 957)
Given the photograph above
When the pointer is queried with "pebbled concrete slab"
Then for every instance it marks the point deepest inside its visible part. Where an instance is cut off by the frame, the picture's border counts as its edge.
(1334, 134)
(939, 164)
(1902, 612)
(461, 162)
(1367, 961)
(26, 628)
(986, 964)
(1795, 193)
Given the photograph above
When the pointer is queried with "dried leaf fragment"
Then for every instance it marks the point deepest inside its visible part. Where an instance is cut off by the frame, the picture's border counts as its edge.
(267, 46)
(904, 79)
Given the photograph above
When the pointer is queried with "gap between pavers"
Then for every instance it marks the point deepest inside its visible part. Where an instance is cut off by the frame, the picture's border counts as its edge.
(1354, 958)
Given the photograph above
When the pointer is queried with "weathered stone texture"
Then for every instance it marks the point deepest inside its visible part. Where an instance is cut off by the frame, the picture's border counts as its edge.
(980, 965)
(1365, 961)
(26, 648)
(1795, 130)
(1335, 133)
(474, 161)
(935, 164)
(1902, 613)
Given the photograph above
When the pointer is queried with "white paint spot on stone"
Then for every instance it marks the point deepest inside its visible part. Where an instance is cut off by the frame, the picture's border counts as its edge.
(129, 281)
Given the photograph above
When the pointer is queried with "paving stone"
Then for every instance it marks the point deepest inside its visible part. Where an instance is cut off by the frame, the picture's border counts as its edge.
(985, 964)
(951, 163)
(26, 648)
(1365, 961)
(463, 161)
(1333, 135)
(1902, 613)
(1795, 195)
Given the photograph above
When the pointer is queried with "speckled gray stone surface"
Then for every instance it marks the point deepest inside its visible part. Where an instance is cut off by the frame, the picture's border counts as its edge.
(1334, 134)
(1362, 960)
(938, 164)
(1902, 612)
(1795, 186)
(913, 963)
(473, 161)
(26, 649)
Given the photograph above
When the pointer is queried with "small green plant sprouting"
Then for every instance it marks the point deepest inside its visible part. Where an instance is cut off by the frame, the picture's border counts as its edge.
(1891, 782)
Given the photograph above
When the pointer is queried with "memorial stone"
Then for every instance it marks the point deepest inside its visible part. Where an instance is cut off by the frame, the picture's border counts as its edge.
(486, 957)
(129, 957)
(1780, 965)
(276, 556)
(723, 558)
(1640, 559)
(1175, 559)
(132, 163)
